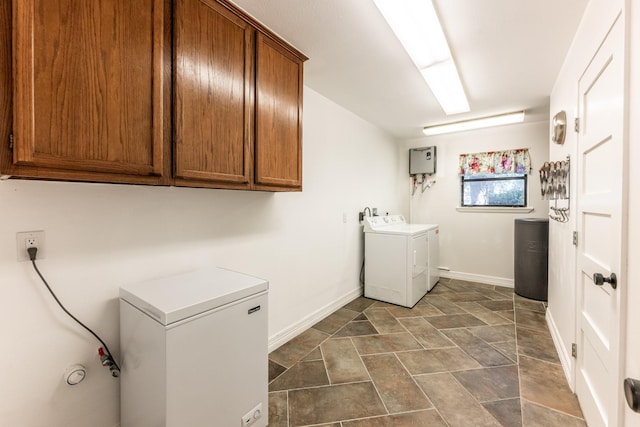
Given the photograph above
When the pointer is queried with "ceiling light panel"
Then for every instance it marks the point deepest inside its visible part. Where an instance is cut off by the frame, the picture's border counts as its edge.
(446, 86)
(416, 24)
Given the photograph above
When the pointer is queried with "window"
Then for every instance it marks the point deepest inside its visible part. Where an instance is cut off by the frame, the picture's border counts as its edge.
(494, 178)
(503, 190)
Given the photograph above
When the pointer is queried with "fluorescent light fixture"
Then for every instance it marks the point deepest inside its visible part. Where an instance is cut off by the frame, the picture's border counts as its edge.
(446, 86)
(416, 25)
(482, 122)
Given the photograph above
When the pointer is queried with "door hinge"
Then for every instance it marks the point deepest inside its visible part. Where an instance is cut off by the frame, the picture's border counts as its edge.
(577, 124)
(574, 350)
(10, 141)
(575, 238)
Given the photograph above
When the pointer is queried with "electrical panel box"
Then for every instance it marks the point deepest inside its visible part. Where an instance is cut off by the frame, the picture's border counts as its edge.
(422, 161)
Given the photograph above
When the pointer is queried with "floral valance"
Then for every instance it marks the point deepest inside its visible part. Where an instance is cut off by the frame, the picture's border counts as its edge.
(509, 161)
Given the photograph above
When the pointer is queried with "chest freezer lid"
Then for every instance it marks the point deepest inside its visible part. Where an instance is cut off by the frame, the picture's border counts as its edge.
(174, 298)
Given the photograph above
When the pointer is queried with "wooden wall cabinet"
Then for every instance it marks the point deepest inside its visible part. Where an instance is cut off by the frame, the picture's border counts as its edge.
(213, 83)
(278, 154)
(189, 93)
(89, 91)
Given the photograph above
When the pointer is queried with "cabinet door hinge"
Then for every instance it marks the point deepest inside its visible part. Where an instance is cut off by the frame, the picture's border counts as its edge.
(577, 124)
(575, 238)
(574, 350)
(11, 141)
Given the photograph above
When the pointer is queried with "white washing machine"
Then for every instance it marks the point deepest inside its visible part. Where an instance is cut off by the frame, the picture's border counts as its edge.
(401, 260)
(194, 351)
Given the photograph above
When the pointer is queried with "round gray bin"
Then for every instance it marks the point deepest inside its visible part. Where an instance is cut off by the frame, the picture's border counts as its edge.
(531, 256)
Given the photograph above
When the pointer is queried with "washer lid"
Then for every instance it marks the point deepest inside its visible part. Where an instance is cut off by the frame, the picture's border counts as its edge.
(174, 298)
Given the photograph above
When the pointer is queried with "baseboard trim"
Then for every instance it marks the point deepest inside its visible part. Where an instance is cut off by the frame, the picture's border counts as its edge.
(478, 278)
(566, 360)
(305, 323)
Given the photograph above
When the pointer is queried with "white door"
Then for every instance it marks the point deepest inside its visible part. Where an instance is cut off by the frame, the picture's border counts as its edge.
(599, 200)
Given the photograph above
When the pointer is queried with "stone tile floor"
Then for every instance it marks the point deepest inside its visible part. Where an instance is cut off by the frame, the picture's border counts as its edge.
(467, 354)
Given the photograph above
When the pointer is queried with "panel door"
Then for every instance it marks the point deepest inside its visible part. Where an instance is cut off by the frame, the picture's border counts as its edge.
(89, 86)
(278, 148)
(600, 183)
(213, 93)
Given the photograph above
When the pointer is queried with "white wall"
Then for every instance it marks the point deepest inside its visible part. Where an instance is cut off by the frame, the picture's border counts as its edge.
(99, 236)
(562, 255)
(561, 315)
(476, 246)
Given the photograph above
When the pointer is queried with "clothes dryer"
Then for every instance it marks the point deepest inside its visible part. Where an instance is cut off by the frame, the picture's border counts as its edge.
(401, 260)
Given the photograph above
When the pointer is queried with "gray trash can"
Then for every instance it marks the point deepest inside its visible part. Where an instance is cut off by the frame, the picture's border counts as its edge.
(531, 257)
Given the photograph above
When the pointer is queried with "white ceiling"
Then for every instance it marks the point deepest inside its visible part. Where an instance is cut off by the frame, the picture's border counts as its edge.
(508, 53)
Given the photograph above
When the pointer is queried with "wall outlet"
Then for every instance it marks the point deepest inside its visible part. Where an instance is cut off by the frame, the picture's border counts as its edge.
(29, 239)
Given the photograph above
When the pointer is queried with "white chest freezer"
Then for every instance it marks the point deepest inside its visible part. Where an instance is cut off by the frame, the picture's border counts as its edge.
(194, 351)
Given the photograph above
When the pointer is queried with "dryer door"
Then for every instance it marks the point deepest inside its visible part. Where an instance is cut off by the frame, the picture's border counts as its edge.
(418, 259)
(434, 257)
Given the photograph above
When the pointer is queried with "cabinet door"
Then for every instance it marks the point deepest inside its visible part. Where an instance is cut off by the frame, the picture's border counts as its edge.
(278, 148)
(89, 90)
(213, 86)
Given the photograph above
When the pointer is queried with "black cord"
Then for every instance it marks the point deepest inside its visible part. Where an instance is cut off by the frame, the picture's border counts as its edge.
(362, 272)
(32, 255)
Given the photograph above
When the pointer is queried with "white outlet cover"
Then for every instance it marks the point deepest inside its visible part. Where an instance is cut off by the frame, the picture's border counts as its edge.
(21, 244)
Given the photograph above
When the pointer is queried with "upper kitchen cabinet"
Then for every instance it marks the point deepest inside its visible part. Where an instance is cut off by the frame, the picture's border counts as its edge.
(213, 84)
(278, 146)
(165, 92)
(238, 101)
(90, 97)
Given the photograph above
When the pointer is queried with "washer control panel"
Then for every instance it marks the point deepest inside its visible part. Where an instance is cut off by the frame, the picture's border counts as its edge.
(372, 223)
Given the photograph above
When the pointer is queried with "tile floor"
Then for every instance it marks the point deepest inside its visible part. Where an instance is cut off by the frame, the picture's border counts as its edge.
(467, 354)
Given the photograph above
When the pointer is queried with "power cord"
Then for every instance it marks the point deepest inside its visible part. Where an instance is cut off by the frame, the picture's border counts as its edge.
(106, 357)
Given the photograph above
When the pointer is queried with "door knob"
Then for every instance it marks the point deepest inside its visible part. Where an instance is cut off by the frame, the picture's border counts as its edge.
(632, 393)
(599, 279)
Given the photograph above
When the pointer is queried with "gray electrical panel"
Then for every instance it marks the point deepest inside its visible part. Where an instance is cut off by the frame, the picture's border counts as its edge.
(422, 160)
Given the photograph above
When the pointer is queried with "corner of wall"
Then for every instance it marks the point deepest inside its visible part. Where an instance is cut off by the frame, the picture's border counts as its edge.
(566, 360)
(305, 323)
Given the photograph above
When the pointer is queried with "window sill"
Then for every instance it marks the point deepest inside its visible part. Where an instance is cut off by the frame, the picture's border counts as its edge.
(493, 209)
